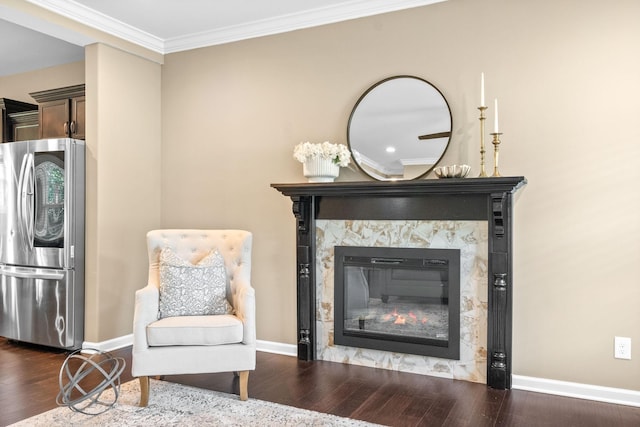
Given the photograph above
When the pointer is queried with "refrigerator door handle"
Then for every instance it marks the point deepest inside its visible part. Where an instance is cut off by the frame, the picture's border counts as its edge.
(31, 273)
(25, 206)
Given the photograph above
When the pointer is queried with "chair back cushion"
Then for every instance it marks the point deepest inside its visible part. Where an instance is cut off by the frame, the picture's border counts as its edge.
(193, 245)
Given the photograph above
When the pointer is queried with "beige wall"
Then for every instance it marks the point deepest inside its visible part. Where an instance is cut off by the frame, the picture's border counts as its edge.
(566, 74)
(19, 86)
(123, 190)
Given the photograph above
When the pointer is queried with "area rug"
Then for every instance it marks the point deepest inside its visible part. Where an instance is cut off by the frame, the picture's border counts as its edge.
(179, 405)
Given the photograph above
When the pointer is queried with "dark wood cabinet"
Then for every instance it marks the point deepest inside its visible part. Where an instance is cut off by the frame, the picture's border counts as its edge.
(9, 108)
(25, 125)
(78, 117)
(61, 112)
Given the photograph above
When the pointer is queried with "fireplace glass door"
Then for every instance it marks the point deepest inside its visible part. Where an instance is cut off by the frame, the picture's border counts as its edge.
(398, 299)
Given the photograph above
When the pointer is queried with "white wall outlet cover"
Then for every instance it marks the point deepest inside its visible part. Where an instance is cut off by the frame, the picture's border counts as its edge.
(622, 348)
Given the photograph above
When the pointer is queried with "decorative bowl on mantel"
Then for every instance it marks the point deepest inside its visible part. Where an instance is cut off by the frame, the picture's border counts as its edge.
(453, 171)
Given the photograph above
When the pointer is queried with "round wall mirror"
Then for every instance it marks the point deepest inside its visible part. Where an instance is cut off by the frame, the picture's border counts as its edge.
(399, 129)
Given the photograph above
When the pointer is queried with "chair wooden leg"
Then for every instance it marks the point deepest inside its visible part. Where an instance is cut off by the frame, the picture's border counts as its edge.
(144, 391)
(244, 381)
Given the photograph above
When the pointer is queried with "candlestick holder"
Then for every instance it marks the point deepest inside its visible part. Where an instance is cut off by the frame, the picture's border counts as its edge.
(483, 173)
(496, 148)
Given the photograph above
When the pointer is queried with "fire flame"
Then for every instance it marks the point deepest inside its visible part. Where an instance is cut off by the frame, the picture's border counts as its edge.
(402, 319)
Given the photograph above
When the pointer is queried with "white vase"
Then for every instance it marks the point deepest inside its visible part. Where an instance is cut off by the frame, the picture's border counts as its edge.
(320, 169)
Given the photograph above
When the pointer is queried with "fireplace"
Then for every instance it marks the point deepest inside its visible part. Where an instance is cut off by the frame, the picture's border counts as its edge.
(486, 200)
(404, 300)
(469, 238)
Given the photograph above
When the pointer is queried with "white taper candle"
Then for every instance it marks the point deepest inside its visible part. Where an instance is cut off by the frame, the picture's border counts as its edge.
(482, 89)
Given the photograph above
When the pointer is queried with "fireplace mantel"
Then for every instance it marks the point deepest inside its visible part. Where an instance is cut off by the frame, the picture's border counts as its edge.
(489, 199)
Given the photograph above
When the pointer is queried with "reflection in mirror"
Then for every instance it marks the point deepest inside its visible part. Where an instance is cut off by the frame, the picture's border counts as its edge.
(399, 129)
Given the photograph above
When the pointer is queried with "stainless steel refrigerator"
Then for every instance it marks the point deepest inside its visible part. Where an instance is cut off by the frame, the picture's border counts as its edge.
(42, 219)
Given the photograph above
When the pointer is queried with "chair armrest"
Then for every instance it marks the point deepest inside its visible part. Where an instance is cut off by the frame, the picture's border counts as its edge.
(244, 303)
(145, 312)
(250, 317)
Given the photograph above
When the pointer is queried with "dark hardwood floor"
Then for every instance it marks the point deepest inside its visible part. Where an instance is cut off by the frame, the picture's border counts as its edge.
(29, 385)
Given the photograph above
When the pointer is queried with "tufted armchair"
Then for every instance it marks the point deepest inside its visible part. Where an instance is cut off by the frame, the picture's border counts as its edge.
(202, 343)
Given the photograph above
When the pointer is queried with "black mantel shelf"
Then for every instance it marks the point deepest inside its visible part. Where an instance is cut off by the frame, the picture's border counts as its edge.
(414, 187)
(489, 199)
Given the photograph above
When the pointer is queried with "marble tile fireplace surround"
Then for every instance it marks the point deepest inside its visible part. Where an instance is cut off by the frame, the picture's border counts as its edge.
(473, 215)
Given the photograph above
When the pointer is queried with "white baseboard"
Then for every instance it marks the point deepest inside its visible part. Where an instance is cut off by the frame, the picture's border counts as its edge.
(518, 382)
(580, 391)
(277, 348)
(109, 345)
(127, 340)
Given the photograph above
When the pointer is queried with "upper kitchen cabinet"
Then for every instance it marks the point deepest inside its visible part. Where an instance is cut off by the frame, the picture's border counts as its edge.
(25, 125)
(9, 108)
(61, 112)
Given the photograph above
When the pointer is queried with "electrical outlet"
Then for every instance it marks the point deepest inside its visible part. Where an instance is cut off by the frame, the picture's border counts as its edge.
(622, 348)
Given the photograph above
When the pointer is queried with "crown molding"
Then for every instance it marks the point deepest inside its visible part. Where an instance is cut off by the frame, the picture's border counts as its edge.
(99, 21)
(43, 26)
(281, 24)
(291, 22)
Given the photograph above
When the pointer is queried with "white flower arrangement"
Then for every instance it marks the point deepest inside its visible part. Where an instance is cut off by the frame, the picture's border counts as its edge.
(338, 153)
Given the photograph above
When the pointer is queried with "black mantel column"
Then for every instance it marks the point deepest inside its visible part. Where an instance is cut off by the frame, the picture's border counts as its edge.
(305, 262)
(500, 271)
(489, 199)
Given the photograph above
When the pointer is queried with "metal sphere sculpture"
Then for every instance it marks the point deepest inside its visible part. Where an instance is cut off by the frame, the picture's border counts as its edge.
(84, 379)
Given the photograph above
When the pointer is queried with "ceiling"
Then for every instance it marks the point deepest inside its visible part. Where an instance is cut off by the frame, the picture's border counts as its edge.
(165, 26)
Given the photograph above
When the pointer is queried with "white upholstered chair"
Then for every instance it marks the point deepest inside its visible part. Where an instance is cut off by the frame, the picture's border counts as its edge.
(203, 343)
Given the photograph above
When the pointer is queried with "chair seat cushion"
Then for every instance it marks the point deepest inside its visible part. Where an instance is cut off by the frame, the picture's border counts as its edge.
(195, 330)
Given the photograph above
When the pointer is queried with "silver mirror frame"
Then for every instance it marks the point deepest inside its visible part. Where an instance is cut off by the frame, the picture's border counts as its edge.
(413, 119)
